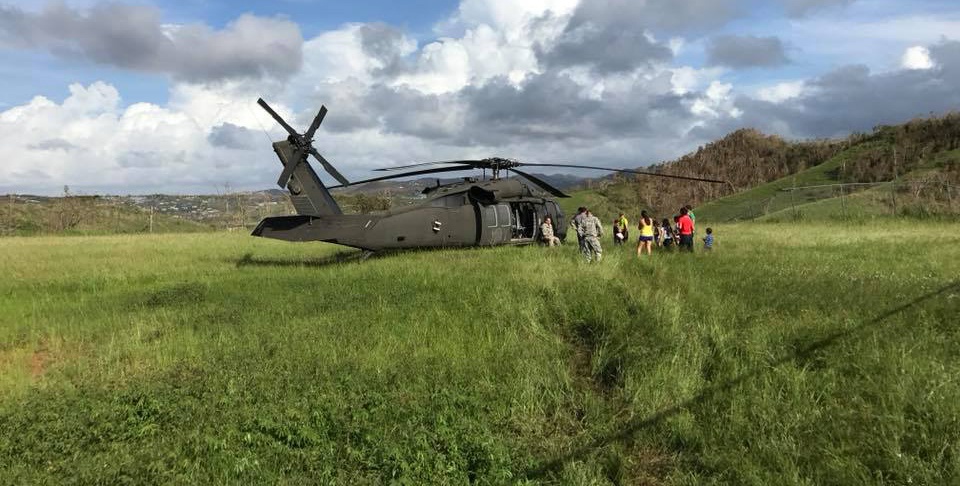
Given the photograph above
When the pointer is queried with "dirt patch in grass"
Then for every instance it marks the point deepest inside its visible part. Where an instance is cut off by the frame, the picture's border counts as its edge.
(38, 363)
(25, 361)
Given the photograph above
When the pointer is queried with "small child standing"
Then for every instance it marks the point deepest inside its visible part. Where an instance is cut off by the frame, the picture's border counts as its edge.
(666, 234)
(708, 240)
(618, 236)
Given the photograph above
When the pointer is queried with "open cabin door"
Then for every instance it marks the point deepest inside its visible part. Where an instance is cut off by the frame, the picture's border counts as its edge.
(516, 222)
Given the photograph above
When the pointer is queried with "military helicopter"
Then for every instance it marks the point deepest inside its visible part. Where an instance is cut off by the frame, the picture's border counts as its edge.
(471, 212)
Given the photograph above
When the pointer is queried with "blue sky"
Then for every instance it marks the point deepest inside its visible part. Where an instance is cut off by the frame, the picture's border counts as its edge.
(159, 96)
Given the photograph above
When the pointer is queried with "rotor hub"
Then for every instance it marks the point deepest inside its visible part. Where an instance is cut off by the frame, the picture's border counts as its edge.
(497, 164)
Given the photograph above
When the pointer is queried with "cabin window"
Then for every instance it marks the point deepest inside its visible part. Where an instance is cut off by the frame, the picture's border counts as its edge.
(491, 216)
(504, 215)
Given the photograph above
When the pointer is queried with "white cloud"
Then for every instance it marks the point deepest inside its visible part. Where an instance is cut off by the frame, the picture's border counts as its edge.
(486, 39)
(502, 15)
(916, 57)
(685, 79)
(716, 101)
(100, 146)
(781, 92)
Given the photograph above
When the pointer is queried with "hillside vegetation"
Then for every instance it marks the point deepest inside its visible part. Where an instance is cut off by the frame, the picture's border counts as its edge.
(930, 187)
(792, 354)
(759, 167)
(84, 215)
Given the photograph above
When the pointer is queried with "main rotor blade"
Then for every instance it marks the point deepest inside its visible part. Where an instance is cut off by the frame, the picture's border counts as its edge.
(329, 168)
(464, 162)
(288, 128)
(408, 174)
(628, 171)
(542, 183)
(316, 123)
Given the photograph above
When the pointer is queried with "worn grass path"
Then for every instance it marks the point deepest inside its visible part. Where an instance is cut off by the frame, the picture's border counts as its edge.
(793, 354)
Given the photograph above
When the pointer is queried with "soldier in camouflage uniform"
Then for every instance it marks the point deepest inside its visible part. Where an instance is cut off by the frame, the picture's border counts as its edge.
(546, 231)
(592, 232)
(577, 224)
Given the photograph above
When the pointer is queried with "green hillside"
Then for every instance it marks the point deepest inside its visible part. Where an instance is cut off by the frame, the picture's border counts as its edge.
(770, 197)
(758, 167)
(783, 357)
(910, 196)
(84, 215)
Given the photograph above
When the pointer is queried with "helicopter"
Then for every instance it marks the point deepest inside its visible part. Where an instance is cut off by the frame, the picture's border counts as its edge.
(469, 212)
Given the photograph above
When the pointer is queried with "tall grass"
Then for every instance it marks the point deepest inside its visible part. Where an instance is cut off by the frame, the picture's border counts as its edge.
(792, 354)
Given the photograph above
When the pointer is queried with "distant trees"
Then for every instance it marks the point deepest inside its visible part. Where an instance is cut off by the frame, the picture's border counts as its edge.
(71, 210)
(903, 148)
(747, 158)
(367, 203)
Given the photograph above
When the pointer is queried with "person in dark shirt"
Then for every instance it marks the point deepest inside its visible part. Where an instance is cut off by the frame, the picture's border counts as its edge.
(708, 240)
(617, 233)
(666, 230)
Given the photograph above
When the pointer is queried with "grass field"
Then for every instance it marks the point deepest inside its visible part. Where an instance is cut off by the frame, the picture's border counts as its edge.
(792, 354)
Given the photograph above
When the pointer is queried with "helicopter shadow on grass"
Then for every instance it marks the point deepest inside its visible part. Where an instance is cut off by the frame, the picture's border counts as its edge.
(718, 392)
(343, 257)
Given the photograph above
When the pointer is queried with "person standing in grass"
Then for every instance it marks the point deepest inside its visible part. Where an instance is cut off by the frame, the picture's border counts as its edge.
(693, 217)
(646, 234)
(546, 230)
(657, 237)
(666, 234)
(685, 225)
(592, 231)
(708, 240)
(617, 233)
(624, 226)
(577, 224)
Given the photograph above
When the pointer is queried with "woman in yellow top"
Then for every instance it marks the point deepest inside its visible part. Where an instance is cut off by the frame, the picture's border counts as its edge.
(624, 226)
(646, 234)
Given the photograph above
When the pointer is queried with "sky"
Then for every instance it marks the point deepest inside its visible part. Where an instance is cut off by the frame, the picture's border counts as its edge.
(154, 96)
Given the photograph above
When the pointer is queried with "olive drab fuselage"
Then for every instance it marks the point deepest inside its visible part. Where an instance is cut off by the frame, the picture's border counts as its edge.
(468, 213)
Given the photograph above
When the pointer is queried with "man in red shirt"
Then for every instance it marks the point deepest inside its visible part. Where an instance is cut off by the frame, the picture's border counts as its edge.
(686, 230)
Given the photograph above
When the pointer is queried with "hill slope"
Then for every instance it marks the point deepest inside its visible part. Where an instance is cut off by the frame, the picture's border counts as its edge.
(924, 191)
(760, 166)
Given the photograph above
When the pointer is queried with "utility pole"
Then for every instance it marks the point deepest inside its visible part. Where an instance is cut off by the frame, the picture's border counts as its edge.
(893, 185)
(843, 202)
(793, 200)
(843, 199)
(949, 197)
(151, 219)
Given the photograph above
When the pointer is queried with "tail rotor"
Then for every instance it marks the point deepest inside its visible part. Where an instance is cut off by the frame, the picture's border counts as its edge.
(302, 146)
